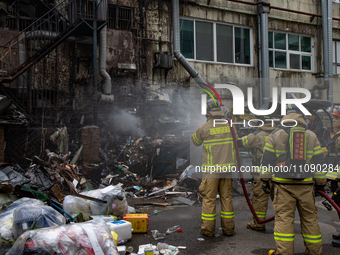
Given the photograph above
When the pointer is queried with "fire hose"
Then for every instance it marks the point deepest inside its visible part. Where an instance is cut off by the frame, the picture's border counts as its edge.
(245, 189)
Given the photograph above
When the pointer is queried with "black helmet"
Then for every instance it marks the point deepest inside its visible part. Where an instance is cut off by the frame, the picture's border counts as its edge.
(213, 105)
(293, 108)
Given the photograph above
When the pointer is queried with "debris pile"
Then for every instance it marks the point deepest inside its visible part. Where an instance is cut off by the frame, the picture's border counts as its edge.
(130, 173)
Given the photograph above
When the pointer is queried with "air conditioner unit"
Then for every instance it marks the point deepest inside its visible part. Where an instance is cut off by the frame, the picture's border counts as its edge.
(162, 60)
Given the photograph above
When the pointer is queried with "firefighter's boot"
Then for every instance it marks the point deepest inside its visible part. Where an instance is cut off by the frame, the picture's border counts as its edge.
(336, 236)
(336, 243)
(251, 226)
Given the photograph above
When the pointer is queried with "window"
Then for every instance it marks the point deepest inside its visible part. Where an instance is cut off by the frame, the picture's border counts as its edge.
(336, 57)
(290, 51)
(215, 42)
(119, 17)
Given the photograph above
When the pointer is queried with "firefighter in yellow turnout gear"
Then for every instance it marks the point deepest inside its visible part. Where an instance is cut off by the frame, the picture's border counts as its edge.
(333, 158)
(294, 189)
(218, 154)
(256, 141)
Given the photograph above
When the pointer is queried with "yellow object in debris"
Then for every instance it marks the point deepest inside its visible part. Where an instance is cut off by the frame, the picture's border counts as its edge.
(115, 236)
(140, 222)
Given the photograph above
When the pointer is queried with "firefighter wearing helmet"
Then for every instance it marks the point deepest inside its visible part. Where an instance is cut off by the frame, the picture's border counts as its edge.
(333, 158)
(256, 141)
(217, 154)
(290, 148)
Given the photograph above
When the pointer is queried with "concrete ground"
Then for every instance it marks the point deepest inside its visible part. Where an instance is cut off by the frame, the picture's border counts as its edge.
(245, 241)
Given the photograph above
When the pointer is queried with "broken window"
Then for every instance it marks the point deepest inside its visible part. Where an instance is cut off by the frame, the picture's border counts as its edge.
(290, 51)
(215, 42)
(119, 17)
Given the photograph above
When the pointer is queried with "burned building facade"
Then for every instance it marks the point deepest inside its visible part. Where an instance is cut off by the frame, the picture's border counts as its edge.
(58, 71)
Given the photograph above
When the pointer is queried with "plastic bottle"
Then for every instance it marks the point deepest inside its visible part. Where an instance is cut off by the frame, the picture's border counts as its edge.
(156, 235)
(161, 246)
(173, 229)
(129, 249)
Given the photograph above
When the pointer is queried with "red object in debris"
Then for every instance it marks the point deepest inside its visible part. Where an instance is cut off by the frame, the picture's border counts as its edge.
(179, 230)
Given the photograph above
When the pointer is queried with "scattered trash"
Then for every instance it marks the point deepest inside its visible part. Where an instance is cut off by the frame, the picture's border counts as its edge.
(122, 228)
(122, 241)
(140, 222)
(29, 217)
(185, 201)
(6, 218)
(172, 230)
(200, 239)
(12, 177)
(129, 249)
(179, 230)
(161, 246)
(75, 238)
(155, 212)
(156, 235)
(114, 195)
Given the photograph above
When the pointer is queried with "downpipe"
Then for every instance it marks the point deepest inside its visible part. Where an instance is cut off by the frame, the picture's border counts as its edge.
(245, 189)
(102, 49)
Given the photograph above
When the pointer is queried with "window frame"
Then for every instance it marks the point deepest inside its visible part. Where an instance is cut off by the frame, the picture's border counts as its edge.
(118, 20)
(214, 30)
(334, 58)
(288, 52)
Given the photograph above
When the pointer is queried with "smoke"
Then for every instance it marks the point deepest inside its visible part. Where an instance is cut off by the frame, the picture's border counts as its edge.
(127, 123)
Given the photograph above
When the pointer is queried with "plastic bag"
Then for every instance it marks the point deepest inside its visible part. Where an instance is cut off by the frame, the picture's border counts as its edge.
(6, 217)
(30, 217)
(114, 195)
(92, 237)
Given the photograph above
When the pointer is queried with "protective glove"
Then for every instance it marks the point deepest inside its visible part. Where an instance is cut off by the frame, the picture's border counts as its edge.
(319, 187)
(266, 187)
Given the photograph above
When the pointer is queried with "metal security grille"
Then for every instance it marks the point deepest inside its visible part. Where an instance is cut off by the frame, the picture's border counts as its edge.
(119, 17)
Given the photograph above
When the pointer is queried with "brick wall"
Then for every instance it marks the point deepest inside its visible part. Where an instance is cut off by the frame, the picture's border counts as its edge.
(90, 141)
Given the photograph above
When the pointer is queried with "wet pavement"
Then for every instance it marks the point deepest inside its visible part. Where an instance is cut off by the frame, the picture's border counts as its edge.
(245, 241)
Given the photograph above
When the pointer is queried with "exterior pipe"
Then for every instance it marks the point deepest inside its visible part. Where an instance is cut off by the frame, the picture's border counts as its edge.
(330, 50)
(263, 11)
(102, 48)
(260, 52)
(177, 51)
(324, 4)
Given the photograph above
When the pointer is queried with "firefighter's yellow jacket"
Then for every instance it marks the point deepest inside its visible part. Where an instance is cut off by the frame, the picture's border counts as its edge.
(276, 145)
(217, 141)
(257, 140)
(334, 173)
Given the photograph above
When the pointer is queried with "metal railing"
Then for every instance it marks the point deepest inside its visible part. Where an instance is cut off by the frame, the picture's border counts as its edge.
(41, 32)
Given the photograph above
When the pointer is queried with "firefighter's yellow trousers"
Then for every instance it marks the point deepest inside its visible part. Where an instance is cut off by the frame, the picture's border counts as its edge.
(260, 203)
(209, 188)
(286, 199)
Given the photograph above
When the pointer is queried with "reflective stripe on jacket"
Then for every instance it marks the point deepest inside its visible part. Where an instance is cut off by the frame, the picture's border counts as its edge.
(216, 142)
(276, 145)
